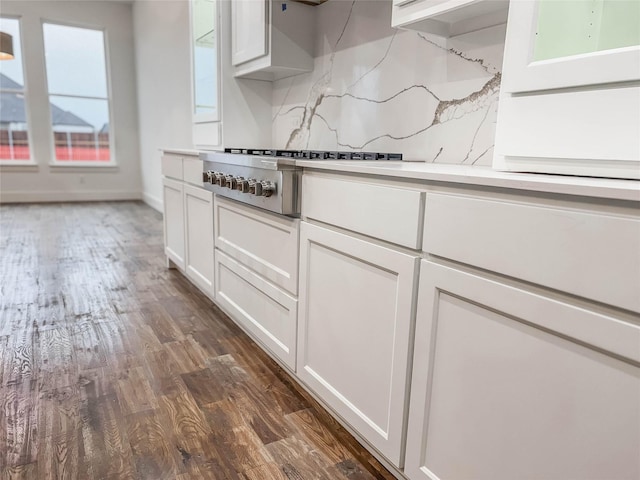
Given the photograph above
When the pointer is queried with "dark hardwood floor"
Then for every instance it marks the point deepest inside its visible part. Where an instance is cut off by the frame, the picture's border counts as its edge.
(114, 367)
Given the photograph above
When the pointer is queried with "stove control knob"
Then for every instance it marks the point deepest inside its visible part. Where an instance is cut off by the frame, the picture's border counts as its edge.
(242, 185)
(207, 176)
(251, 186)
(231, 182)
(268, 188)
(257, 189)
(219, 179)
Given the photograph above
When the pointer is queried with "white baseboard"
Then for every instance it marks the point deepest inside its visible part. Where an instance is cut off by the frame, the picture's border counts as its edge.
(153, 201)
(75, 196)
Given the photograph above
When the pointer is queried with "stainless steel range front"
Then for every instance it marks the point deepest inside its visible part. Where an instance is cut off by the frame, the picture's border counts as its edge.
(268, 179)
(268, 182)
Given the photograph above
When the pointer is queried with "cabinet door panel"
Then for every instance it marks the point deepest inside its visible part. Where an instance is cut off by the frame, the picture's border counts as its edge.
(498, 393)
(198, 207)
(248, 30)
(354, 329)
(172, 193)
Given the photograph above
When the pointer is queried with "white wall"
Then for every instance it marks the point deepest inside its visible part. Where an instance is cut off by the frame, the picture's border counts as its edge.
(164, 96)
(62, 183)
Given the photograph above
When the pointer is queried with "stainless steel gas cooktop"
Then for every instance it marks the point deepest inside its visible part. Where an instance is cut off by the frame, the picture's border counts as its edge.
(315, 154)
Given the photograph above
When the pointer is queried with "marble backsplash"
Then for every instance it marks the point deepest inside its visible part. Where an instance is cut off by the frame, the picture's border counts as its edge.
(375, 88)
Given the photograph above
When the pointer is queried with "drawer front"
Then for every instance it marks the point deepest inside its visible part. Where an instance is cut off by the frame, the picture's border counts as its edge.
(268, 313)
(590, 254)
(389, 213)
(172, 166)
(265, 242)
(192, 170)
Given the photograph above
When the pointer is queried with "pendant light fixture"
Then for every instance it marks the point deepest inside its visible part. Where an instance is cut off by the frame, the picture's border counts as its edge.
(6, 46)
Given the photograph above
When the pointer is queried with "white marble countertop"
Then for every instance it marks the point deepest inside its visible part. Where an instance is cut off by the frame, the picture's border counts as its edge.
(180, 151)
(486, 176)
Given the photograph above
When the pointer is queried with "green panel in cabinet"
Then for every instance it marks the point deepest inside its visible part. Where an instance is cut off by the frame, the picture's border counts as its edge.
(574, 27)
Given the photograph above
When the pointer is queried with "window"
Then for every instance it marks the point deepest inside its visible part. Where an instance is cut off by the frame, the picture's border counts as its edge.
(14, 133)
(78, 93)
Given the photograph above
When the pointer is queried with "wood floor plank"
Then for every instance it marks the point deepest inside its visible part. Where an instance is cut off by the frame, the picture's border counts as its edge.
(164, 374)
(20, 363)
(203, 386)
(58, 413)
(300, 460)
(187, 355)
(114, 367)
(134, 392)
(154, 455)
(20, 472)
(186, 419)
(18, 424)
(161, 323)
(89, 351)
(268, 471)
(59, 458)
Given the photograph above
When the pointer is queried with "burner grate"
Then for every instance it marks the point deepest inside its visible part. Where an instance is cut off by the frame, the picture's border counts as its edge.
(315, 154)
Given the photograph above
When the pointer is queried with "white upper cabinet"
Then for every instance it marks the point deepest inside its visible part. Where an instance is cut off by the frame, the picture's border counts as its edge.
(205, 72)
(271, 40)
(249, 30)
(448, 18)
(570, 101)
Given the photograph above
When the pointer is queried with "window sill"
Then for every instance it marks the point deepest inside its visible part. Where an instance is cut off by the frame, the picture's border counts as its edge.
(83, 167)
(18, 166)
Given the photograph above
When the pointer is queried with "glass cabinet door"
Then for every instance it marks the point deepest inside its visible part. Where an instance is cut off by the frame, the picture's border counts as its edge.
(204, 41)
(569, 43)
(570, 93)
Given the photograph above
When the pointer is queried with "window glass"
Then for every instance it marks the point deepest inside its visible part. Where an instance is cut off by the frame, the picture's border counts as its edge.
(80, 128)
(78, 93)
(75, 61)
(14, 135)
(204, 56)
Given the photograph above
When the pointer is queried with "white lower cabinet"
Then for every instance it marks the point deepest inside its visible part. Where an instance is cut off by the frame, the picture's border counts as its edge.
(355, 322)
(188, 220)
(257, 273)
(508, 383)
(174, 247)
(198, 226)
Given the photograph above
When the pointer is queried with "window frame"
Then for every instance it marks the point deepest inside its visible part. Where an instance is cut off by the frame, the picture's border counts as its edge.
(30, 162)
(53, 161)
